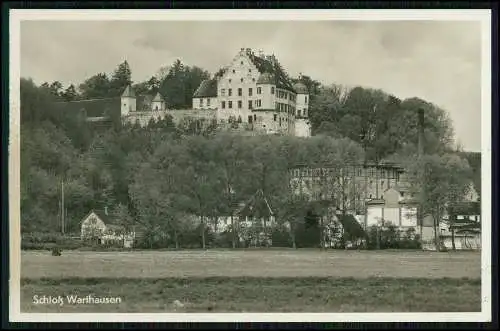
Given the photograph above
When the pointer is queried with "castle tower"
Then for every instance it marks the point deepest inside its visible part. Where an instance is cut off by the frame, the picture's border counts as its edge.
(158, 103)
(302, 126)
(128, 101)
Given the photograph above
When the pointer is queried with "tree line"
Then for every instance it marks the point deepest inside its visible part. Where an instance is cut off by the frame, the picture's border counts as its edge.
(157, 175)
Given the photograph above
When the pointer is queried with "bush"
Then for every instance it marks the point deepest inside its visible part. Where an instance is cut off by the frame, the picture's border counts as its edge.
(56, 251)
(223, 240)
(391, 238)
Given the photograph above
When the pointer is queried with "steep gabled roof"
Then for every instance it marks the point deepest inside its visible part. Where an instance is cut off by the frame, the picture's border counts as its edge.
(101, 214)
(157, 97)
(128, 92)
(207, 89)
(279, 76)
(257, 204)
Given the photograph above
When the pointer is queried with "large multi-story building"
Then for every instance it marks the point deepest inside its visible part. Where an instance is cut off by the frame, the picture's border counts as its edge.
(255, 91)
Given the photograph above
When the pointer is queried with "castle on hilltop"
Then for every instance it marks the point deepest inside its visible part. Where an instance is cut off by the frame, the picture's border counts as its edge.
(252, 93)
(255, 90)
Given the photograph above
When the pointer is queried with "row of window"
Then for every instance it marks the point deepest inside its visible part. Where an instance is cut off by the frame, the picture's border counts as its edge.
(372, 172)
(284, 107)
(241, 80)
(286, 95)
(240, 91)
(208, 102)
(300, 113)
(251, 104)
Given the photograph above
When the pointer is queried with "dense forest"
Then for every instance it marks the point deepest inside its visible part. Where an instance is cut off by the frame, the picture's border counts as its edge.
(156, 175)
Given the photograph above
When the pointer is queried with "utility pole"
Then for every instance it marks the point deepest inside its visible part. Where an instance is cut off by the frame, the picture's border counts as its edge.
(422, 171)
(62, 207)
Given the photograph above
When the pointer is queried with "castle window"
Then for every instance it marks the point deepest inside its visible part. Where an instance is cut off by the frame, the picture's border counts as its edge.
(305, 113)
(241, 62)
(223, 92)
(230, 92)
(234, 71)
(230, 104)
(306, 99)
(250, 105)
(250, 92)
(241, 80)
(275, 117)
(272, 89)
(254, 117)
(250, 119)
(259, 90)
(201, 102)
(240, 92)
(298, 113)
(208, 102)
(230, 80)
(253, 79)
(239, 103)
(223, 105)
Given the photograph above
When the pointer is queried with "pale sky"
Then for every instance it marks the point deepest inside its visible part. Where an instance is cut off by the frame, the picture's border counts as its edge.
(435, 60)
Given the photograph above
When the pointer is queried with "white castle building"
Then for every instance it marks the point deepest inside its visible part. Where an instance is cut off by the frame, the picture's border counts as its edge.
(253, 91)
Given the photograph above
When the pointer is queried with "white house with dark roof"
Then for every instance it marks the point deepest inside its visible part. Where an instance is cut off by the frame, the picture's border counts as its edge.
(99, 226)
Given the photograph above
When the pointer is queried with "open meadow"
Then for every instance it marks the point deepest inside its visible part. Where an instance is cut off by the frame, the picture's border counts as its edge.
(255, 280)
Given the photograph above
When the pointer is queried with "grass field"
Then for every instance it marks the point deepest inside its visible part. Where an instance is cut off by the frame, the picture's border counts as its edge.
(256, 281)
(251, 263)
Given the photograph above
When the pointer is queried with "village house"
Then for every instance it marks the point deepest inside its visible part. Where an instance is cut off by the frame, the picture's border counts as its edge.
(101, 228)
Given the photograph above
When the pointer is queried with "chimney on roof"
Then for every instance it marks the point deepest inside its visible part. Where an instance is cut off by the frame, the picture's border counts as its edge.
(106, 210)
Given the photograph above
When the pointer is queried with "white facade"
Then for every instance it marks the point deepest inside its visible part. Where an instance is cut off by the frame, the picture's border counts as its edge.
(247, 94)
(302, 127)
(204, 103)
(128, 102)
(251, 92)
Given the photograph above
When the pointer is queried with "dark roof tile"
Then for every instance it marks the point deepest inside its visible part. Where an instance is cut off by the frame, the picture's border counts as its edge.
(207, 89)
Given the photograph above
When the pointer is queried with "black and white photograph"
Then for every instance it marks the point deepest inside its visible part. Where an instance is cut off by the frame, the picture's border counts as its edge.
(266, 165)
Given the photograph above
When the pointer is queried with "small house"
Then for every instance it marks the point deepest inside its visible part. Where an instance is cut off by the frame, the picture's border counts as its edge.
(102, 228)
(256, 220)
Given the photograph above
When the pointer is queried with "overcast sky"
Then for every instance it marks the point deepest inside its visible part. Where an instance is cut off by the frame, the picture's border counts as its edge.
(437, 61)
